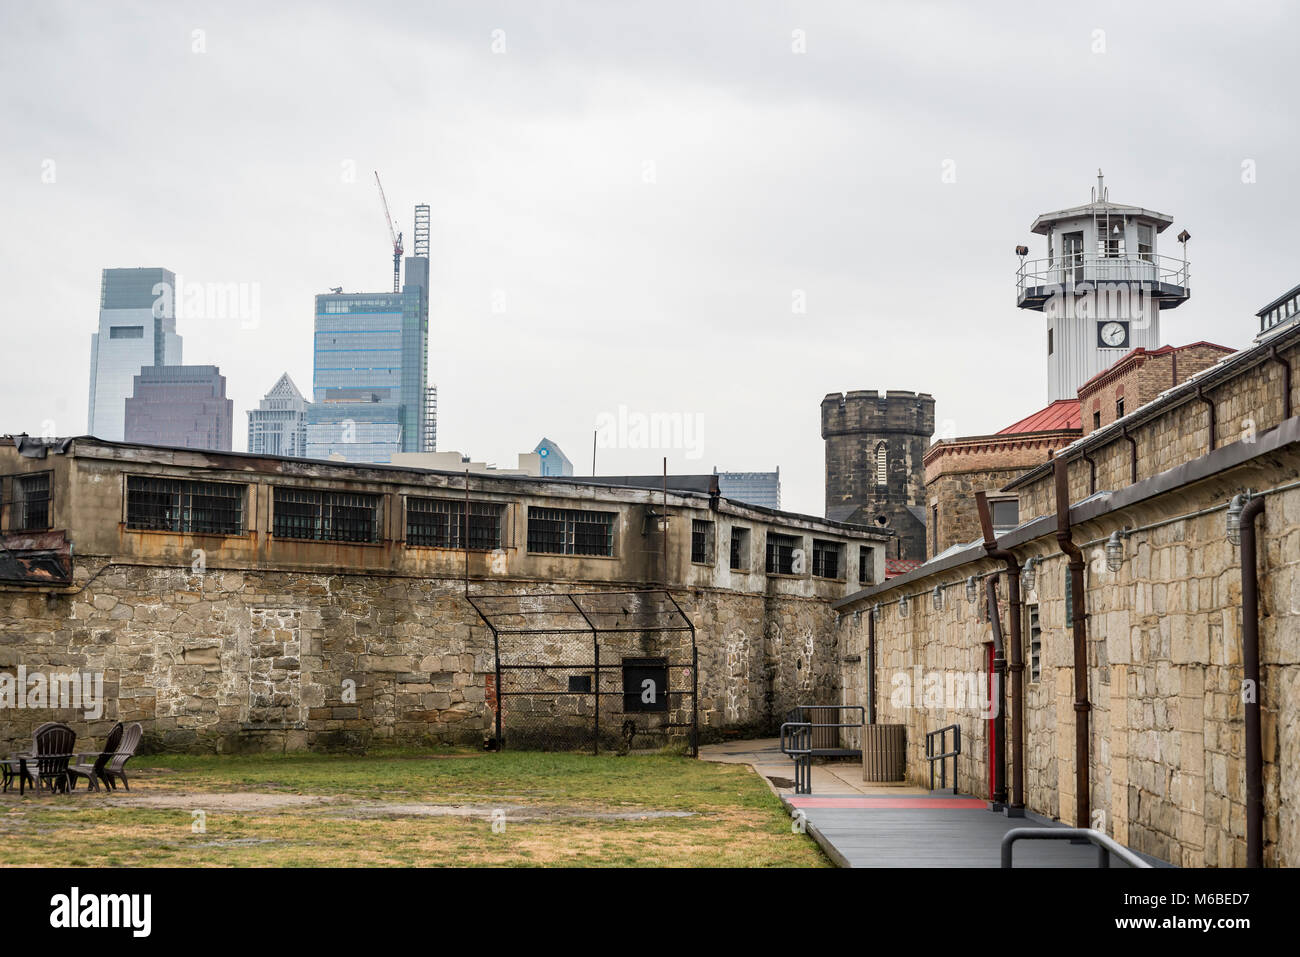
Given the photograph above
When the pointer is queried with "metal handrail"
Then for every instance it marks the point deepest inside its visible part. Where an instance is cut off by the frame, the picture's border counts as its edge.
(1128, 268)
(931, 756)
(796, 742)
(1106, 846)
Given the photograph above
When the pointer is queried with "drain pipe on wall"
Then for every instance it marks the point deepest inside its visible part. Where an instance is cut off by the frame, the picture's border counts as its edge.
(871, 666)
(999, 801)
(1017, 668)
(1250, 660)
(1083, 809)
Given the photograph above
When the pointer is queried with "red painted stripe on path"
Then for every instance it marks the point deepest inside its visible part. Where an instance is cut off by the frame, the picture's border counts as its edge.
(886, 802)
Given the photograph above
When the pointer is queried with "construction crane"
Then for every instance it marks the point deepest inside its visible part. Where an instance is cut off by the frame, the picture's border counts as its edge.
(394, 235)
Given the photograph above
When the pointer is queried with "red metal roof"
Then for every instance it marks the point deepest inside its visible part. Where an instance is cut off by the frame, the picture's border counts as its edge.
(900, 566)
(1060, 415)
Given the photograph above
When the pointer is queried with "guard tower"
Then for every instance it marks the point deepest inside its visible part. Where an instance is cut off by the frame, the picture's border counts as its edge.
(1102, 286)
(875, 473)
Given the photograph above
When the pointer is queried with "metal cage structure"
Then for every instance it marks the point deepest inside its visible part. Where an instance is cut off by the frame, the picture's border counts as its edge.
(586, 671)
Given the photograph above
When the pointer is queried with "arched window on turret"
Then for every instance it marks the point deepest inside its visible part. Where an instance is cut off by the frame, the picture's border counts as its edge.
(882, 464)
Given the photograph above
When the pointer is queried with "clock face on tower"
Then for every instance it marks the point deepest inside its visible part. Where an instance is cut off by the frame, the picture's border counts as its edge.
(1112, 334)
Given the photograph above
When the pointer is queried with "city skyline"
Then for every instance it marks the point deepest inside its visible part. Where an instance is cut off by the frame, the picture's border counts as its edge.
(621, 230)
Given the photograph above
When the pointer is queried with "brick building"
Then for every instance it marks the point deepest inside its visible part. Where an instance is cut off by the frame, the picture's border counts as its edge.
(956, 469)
(1139, 377)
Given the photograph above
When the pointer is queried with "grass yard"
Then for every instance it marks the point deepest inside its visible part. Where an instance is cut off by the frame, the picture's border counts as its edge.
(412, 809)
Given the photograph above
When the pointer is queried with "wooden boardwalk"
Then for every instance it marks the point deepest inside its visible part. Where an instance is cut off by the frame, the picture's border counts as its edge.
(928, 831)
(860, 824)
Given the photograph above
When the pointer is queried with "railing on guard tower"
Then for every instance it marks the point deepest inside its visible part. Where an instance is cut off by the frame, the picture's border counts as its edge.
(1162, 276)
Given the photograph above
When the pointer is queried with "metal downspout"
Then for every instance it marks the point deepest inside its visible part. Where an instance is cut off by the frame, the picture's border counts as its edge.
(1017, 666)
(1000, 718)
(1133, 462)
(1251, 688)
(871, 666)
(1213, 424)
(1083, 806)
(1286, 381)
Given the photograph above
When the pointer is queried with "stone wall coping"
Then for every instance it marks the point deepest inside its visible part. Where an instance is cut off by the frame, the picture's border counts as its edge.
(1286, 435)
(250, 467)
(1186, 391)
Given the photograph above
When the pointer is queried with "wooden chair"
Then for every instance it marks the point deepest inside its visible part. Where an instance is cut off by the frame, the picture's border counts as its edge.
(52, 748)
(116, 766)
(94, 773)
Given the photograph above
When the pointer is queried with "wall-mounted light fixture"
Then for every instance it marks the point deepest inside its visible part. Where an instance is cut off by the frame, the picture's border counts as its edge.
(1234, 517)
(1115, 552)
(877, 612)
(903, 609)
(1028, 574)
(972, 589)
(937, 597)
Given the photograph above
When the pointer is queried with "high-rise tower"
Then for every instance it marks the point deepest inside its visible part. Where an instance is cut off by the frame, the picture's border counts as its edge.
(1101, 287)
(137, 328)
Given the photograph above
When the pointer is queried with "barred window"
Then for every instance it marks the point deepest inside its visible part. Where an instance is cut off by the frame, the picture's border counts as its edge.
(1035, 643)
(882, 464)
(701, 541)
(570, 531)
(826, 559)
(782, 554)
(178, 505)
(440, 523)
(326, 516)
(31, 503)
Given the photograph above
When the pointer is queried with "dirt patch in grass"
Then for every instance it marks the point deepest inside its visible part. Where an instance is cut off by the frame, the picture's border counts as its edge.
(340, 811)
(216, 801)
(511, 812)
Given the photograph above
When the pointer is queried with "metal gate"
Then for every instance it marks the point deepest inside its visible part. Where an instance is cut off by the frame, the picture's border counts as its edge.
(586, 671)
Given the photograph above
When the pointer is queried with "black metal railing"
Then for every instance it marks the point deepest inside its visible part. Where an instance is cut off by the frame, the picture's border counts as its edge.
(942, 754)
(1106, 846)
(806, 734)
(796, 741)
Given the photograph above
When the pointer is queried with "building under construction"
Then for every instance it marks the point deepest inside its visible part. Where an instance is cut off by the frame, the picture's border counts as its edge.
(370, 362)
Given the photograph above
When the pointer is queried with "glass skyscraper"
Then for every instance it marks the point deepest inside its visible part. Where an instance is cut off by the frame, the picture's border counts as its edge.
(371, 356)
(137, 328)
(182, 406)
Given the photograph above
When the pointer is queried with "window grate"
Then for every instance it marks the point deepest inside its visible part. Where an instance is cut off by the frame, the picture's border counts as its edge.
(701, 541)
(31, 503)
(440, 523)
(1035, 644)
(326, 516)
(177, 505)
(781, 551)
(826, 559)
(570, 531)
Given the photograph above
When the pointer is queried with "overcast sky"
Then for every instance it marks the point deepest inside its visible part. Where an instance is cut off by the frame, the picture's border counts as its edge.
(630, 200)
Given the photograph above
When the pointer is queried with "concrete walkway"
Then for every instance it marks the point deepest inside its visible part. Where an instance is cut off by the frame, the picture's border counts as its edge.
(860, 824)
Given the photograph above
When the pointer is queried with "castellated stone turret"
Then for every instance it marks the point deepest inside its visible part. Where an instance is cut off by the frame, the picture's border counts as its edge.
(874, 470)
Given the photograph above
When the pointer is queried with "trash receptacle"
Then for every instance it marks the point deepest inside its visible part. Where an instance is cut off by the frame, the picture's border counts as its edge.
(884, 752)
